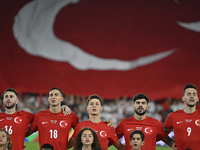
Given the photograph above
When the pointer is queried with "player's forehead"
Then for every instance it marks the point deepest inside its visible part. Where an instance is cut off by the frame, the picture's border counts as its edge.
(136, 135)
(2, 133)
(190, 90)
(141, 100)
(87, 132)
(54, 92)
(94, 100)
(9, 93)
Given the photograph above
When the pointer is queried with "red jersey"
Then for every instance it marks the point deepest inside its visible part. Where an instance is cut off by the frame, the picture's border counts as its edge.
(151, 128)
(104, 132)
(16, 125)
(186, 129)
(54, 128)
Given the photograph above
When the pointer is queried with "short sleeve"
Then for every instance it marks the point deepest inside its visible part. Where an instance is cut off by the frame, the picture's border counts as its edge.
(168, 122)
(161, 132)
(113, 138)
(75, 120)
(34, 126)
(119, 130)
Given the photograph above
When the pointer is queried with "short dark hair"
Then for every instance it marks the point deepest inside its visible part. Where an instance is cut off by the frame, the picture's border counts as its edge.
(11, 90)
(137, 132)
(140, 96)
(95, 96)
(46, 145)
(189, 86)
(55, 88)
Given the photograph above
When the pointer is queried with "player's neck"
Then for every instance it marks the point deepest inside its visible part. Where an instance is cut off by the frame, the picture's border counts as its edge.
(189, 110)
(10, 111)
(138, 117)
(85, 147)
(94, 118)
(55, 109)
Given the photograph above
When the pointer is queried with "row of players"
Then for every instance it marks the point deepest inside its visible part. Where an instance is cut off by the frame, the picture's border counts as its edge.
(53, 126)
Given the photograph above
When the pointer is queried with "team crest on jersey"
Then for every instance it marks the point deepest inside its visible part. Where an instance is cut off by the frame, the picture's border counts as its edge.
(8, 118)
(63, 123)
(103, 134)
(53, 121)
(148, 130)
(18, 120)
(197, 122)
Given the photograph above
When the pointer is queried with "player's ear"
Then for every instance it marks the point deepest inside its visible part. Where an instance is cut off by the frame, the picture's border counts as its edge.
(143, 143)
(62, 99)
(87, 107)
(101, 108)
(183, 99)
(17, 101)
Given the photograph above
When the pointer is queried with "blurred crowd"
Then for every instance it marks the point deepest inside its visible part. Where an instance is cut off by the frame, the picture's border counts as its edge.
(115, 109)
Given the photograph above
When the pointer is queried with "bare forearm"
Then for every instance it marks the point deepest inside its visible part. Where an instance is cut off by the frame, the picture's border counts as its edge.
(169, 141)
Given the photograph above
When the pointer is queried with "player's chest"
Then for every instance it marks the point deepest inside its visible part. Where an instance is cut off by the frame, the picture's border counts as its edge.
(187, 124)
(50, 122)
(14, 121)
(147, 129)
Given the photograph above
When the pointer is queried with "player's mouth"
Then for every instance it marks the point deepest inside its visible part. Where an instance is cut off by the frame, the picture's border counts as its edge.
(191, 100)
(94, 110)
(53, 101)
(87, 141)
(135, 145)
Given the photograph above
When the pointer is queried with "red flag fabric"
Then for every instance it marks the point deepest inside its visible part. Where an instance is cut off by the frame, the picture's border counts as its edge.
(110, 48)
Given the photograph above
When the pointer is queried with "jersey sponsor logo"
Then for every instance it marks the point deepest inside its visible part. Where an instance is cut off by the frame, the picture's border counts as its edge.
(63, 123)
(148, 130)
(188, 120)
(197, 122)
(178, 122)
(103, 133)
(18, 120)
(1, 119)
(53, 121)
(8, 118)
(129, 129)
(44, 122)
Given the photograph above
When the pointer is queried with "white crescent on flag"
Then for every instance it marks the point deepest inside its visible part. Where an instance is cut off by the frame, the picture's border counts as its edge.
(33, 29)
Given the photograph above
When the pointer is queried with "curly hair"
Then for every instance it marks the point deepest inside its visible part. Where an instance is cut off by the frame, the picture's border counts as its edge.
(95, 145)
(9, 145)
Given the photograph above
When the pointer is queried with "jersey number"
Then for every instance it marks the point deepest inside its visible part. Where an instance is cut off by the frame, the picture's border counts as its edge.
(53, 134)
(9, 129)
(189, 130)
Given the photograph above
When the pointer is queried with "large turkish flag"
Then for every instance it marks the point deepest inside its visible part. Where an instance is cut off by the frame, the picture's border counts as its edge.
(111, 46)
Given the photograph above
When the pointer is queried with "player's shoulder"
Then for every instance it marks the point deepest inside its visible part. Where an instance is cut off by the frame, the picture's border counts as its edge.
(177, 113)
(152, 119)
(24, 112)
(130, 119)
(42, 112)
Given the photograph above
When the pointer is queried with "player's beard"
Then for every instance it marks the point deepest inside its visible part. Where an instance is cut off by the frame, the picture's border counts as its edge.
(191, 105)
(11, 106)
(140, 113)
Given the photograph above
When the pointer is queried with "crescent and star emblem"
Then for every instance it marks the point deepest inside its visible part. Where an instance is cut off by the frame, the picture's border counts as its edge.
(63, 124)
(18, 120)
(148, 130)
(103, 133)
(197, 122)
(40, 40)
